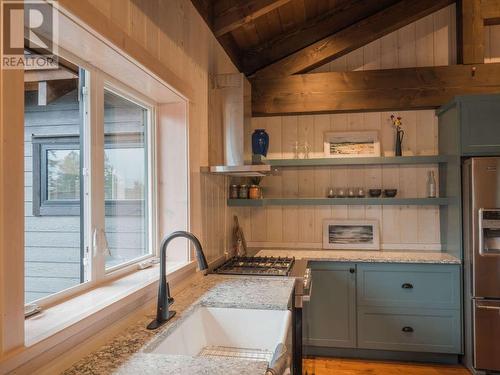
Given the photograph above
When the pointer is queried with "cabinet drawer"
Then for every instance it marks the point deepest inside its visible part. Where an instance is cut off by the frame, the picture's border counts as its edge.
(417, 330)
(416, 285)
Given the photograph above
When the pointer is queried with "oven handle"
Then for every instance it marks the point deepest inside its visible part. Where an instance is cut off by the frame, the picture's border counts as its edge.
(307, 297)
(307, 282)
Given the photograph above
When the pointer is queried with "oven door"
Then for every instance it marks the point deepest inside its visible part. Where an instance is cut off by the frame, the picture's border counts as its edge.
(487, 334)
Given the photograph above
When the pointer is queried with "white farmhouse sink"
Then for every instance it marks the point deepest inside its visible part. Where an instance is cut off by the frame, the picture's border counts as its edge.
(212, 330)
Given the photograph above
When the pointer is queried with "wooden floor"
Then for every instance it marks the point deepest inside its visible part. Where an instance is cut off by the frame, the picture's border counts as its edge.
(323, 366)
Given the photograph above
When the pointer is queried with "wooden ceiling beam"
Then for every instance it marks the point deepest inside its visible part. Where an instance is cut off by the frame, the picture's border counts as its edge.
(241, 12)
(353, 37)
(470, 32)
(313, 30)
(375, 90)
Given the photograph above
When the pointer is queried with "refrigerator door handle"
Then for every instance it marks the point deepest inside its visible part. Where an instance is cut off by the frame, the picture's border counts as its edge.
(487, 307)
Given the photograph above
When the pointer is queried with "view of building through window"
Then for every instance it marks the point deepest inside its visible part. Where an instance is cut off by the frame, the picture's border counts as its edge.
(53, 186)
(53, 223)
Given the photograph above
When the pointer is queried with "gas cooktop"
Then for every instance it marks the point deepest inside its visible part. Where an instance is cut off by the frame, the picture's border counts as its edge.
(260, 266)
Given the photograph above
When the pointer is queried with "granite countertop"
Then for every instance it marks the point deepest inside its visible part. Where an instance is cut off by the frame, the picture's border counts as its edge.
(127, 353)
(384, 256)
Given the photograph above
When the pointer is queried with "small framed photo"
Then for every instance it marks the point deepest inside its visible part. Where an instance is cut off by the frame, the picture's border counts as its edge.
(351, 144)
(351, 234)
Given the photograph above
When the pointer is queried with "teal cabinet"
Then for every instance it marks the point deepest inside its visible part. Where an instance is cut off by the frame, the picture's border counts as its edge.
(409, 307)
(412, 330)
(409, 285)
(383, 306)
(476, 118)
(330, 317)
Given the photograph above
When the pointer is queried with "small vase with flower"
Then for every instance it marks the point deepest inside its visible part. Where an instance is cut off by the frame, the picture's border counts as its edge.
(398, 125)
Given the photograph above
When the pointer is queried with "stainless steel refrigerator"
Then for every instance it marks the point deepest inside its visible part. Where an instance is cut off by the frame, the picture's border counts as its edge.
(481, 221)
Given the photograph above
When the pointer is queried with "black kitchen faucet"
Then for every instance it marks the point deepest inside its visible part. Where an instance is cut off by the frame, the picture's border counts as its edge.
(163, 314)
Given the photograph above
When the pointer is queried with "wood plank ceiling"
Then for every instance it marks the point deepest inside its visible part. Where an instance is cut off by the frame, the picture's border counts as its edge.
(257, 33)
(277, 42)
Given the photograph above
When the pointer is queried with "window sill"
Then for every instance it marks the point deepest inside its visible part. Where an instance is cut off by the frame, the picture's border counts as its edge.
(61, 328)
(92, 303)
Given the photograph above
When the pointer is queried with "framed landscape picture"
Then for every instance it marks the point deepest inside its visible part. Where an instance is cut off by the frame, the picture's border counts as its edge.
(351, 234)
(351, 144)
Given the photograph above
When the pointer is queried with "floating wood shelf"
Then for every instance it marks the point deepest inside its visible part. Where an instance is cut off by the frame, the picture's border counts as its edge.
(338, 201)
(394, 160)
(324, 162)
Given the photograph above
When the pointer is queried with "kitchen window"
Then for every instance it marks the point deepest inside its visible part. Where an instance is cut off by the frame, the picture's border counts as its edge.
(125, 179)
(54, 244)
(88, 183)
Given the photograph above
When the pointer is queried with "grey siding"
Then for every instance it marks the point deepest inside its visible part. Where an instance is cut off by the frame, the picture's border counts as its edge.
(52, 243)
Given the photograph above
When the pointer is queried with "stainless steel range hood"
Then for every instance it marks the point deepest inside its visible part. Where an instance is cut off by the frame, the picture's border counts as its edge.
(236, 97)
(247, 170)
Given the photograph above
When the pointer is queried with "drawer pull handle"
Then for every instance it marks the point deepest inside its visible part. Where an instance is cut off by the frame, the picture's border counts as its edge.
(407, 329)
(352, 270)
(486, 307)
(407, 286)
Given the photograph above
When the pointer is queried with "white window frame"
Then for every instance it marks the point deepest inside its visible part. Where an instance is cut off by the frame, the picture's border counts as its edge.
(87, 108)
(93, 135)
(121, 90)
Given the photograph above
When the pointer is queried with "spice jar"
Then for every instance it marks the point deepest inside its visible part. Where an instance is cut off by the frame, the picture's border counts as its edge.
(233, 192)
(255, 192)
(243, 193)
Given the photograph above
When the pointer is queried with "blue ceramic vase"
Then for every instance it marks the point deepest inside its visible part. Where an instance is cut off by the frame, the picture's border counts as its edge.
(260, 142)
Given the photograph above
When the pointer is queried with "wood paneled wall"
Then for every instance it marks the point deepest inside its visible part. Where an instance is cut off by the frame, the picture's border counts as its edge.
(428, 42)
(214, 210)
(492, 44)
(171, 39)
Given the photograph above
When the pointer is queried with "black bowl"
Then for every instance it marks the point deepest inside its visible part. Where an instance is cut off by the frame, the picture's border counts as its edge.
(375, 193)
(390, 193)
